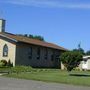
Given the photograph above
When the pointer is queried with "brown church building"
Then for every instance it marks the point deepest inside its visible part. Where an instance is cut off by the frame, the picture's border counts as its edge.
(22, 50)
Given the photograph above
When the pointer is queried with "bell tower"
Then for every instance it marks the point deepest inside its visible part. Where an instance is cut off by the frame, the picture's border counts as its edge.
(2, 25)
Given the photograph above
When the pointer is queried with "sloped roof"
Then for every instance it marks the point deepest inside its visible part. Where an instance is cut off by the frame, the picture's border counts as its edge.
(31, 41)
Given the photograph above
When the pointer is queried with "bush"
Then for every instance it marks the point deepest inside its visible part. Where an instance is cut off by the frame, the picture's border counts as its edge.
(16, 69)
(19, 69)
(3, 63)
(9, 64)
(71, 59)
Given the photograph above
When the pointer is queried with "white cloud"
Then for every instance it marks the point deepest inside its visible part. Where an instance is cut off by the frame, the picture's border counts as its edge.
(50, 3)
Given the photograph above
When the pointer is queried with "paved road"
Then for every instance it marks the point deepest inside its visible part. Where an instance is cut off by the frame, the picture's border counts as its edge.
(18, 84)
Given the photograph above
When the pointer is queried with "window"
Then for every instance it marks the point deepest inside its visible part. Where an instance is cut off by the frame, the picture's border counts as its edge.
(30, 53)
(38, 53)
(57, 57)
(52, 56)
(5, 51)
(46, 54)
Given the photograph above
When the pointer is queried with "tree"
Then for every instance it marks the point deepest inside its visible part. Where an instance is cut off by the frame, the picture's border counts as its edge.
(88, 52)
(79, 50)
(38, 37)
(71, 59)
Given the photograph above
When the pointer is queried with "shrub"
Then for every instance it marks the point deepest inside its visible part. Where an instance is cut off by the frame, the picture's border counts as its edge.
(71, 59)
(19, 69)
(3, 63)
(9, 64)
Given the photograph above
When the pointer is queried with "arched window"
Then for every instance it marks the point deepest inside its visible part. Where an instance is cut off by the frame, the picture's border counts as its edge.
(5, 51)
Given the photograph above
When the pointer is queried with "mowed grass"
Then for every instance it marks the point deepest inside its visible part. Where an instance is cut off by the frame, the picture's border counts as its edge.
(58, 76)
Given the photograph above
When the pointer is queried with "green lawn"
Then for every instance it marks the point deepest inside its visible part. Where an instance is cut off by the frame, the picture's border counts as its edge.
(76, 77)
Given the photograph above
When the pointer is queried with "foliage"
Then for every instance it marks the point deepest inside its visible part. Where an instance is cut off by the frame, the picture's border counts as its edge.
(71, 59)
(9, 64)
(19, 69)
(79, 50)
(88, 52)
(3, 63)
(24, 69)
(38, 37)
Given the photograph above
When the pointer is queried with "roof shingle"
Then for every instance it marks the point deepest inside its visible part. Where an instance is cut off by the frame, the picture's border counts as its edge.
(32, 41)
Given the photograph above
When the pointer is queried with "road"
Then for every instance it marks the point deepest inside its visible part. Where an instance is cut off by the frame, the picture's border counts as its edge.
(20, 84)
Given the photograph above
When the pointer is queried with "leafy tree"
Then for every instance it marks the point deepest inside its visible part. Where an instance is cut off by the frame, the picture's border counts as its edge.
(30, 36)
(71, 59)
(88, 52)
(38, 37)
(26, 35)
(79, 50)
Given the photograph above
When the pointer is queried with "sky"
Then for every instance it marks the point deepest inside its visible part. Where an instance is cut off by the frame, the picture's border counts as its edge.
(63, 22)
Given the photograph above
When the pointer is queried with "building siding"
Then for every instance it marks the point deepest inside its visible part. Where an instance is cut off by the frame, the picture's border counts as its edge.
(22, 56)
(11, 50)
(85, 63)
(89, 64)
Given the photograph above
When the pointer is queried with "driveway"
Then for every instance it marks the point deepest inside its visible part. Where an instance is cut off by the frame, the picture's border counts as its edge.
(19, 84)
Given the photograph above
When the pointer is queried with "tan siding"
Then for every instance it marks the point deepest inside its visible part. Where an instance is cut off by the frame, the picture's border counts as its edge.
(11, 52)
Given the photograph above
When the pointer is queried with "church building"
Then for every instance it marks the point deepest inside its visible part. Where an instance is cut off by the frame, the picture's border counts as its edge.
(26, 51)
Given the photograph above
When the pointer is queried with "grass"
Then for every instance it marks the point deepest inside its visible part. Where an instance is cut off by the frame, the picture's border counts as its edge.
(55, 75)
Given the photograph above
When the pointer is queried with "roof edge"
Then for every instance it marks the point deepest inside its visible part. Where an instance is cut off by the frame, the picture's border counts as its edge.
(8, 38)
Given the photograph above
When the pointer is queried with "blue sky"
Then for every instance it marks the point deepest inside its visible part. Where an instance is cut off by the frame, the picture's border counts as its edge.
(64, 22)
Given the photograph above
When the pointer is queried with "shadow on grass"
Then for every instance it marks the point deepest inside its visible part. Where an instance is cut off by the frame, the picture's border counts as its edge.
(80, 75)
